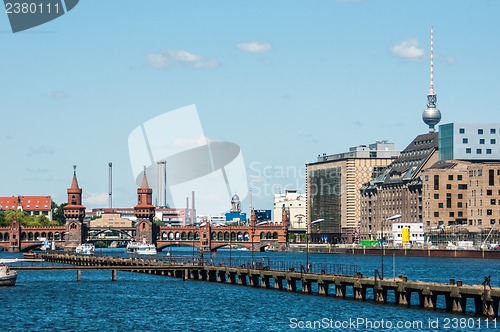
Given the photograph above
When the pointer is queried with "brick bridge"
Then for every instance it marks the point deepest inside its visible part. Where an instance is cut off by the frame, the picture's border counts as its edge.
(24, 238)
(209, 237)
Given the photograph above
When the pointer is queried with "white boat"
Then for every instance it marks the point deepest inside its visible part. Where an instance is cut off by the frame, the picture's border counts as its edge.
(141, 248)
(8, 277)
(243, 249)
(85, 249)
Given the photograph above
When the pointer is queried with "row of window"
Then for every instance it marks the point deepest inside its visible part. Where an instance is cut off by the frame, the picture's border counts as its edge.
(480, 131)
(481, 141)
(478, 151)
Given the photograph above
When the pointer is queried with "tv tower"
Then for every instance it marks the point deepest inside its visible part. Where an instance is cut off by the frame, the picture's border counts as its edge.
(431, 116)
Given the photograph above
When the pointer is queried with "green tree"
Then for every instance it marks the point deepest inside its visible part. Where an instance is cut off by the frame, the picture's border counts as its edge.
(58, 213)
(3, 222)
(20, 216)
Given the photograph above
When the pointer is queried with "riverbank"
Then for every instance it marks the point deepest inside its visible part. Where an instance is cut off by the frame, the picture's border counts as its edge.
(332, 249)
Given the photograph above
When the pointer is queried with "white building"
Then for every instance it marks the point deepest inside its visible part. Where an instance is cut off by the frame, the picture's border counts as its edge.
(414, 231)
(296, 204)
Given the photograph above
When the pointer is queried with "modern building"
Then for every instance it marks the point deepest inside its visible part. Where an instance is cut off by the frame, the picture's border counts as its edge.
(407, 233)
(295, 203)
(469, 141)
(332, 189)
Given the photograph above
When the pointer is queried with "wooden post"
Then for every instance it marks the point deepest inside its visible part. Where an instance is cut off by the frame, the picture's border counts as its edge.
(113, 275)
(78, 275)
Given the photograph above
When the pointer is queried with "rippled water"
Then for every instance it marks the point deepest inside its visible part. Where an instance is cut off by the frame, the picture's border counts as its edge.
(55, 301)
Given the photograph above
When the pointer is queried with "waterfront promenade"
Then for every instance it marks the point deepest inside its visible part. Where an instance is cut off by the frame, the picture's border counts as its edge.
(337, 280)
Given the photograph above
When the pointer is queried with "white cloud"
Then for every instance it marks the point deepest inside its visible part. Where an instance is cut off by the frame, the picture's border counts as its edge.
(408, 49)
(450, 60)
(168, 58)
(96, 199)
(255, 47)
(58, 95)
(42, 149)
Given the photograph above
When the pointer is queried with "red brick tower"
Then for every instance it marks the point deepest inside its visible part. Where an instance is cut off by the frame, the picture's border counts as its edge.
(74, 212)
(145, 212)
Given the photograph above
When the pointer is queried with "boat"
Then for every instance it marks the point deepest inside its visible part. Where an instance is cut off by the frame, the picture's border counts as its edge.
(8, 277)
(30, 255)
(141, 248)
(243, 249)
(85, 249)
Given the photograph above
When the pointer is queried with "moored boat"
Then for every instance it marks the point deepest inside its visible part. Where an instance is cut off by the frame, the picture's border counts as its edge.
(141, 248)
(8, 277)
(85, 249)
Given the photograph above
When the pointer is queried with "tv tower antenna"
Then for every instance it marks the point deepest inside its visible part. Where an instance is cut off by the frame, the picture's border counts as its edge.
(431, 116)
(431, 91)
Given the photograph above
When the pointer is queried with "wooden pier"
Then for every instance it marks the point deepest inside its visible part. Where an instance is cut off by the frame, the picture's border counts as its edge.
(398, 291)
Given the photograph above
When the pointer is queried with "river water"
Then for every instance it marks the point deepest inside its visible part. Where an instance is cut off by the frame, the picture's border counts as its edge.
(55, 301)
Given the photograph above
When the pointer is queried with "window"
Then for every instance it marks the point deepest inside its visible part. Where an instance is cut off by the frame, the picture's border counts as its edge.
(462, 186)
(436, 196)
(460, 214)
(478, 151)
(459, 204)
(481, 141)
(493, 201)
(489, 212)
(492, 221)
(480, 131)
(460, 196)
(461, 130)
(448, 186)
(468, 150)
(452, 214)
(440, 205)
(489, 192)
(459, 177)
(436, 214)
(493, 131)
(465, 140)
(450, 177)
(488, 151)
(491, 177)
(493, 141)
(436, 182)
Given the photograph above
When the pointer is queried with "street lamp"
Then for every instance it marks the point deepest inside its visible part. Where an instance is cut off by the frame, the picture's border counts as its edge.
(394, 217)
(307, 241)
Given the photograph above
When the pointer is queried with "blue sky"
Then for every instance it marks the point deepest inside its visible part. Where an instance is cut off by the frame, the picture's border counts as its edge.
(286, 80)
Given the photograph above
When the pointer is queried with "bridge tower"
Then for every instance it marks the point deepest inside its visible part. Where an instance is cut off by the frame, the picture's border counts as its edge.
(145, 212)
(74, 212)
(15, 236)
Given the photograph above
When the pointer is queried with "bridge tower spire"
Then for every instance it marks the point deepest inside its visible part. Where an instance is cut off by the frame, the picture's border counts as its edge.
(74, 212)
(144, 211)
